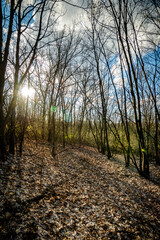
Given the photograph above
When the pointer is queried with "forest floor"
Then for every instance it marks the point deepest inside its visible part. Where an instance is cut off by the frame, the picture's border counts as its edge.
(79, 194)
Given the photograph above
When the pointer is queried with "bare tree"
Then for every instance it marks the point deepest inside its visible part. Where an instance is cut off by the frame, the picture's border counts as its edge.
(26, 38)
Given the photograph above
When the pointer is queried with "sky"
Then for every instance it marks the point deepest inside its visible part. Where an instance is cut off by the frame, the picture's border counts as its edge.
(70, 14)
(76, 14)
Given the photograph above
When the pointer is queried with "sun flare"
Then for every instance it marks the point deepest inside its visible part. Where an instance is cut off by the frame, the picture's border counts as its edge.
(27, 92)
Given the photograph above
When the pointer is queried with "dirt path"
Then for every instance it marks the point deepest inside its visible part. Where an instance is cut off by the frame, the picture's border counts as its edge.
(77, 195)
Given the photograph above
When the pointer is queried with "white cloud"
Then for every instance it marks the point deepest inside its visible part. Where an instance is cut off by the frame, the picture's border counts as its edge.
(70, 15)
(116, 71)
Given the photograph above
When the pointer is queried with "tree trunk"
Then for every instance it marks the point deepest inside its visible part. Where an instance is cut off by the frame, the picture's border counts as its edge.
(43, 122)
(23, 130)
(156, 140)
(63, 127)
(2, 137)
(145, 165)
(53, 135)
(12, 134)
(108, 147)
(127, 162)
(49, 127)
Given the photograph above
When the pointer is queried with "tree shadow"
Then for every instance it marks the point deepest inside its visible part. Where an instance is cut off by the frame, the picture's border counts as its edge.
(146, 202)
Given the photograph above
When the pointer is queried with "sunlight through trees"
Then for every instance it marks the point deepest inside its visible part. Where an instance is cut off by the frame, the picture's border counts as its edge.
(92, 81)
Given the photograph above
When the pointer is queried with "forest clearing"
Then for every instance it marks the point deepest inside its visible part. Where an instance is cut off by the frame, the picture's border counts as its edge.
(79, 119)
(79, 194)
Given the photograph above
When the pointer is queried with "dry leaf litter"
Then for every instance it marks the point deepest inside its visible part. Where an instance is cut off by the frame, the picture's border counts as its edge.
(79, 194)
